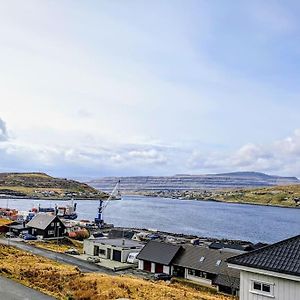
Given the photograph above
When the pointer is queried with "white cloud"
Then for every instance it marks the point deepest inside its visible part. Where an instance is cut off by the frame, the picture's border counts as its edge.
(3, 131)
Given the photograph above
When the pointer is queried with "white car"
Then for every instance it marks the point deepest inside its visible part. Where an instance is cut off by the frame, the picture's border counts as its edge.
(93, 259)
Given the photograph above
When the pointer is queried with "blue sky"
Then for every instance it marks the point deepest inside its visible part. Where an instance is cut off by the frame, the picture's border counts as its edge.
(96, 88)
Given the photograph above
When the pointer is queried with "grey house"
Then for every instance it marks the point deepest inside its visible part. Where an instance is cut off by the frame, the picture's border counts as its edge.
(208, 267)
(46, 226)
(271, 272)
(156, 257)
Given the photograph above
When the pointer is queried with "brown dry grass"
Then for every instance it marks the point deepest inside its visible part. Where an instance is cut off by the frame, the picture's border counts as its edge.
(4, 221)
(275, 195)
(60, 246)
(67, 282)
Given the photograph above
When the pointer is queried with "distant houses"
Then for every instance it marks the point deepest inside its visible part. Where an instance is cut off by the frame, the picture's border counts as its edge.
(271, 272)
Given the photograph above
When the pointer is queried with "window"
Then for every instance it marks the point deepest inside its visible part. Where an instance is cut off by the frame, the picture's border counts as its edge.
(257, 286)
(50, 232)
(201, 258)
(266, 288)
(197, 273)
(218, 262)
(262, 288)
(191, 272)
(102, 252)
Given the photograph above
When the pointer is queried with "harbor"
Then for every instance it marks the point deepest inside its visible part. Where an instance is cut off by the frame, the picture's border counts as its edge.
(200, 218)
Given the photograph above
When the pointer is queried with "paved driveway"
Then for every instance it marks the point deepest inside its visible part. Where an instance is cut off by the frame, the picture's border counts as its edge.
(11, 290)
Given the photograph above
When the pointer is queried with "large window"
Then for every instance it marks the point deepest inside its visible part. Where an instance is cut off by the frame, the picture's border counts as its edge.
(197, 273)
(262, 288)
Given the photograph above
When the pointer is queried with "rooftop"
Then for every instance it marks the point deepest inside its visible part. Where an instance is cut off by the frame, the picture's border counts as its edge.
(282, 257)
(159, 252)
(207, 260)
(117, 242)
(41, 221)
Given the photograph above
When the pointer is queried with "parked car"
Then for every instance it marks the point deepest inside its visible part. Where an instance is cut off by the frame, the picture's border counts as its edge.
(72, 251)
(93, 259)
(10, 235)
(162, 276)
(21, 235)
(29, 237)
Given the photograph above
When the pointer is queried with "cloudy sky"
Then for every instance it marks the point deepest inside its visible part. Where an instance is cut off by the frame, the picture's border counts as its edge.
(96, 88)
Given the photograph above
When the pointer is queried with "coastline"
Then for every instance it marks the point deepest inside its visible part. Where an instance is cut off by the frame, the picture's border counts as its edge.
(212, 200)
(48, 198)
(133, 194)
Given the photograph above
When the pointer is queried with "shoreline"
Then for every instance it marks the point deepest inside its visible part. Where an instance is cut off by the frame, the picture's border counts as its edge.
(215, 200)
(45, 199)
(8, 197)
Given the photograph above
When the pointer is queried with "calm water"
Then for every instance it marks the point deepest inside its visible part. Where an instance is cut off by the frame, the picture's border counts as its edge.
(210, 219)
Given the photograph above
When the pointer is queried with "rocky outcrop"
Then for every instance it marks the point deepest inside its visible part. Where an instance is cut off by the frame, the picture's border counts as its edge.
(193, 182)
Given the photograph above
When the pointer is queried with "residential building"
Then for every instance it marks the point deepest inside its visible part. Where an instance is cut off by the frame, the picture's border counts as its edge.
(113, 249)
(271, 272)
(156, 257)
(207, 267)
(46, 226)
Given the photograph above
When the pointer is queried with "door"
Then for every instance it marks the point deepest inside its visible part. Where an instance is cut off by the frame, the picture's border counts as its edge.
(147, 266)
(117, 255)
(96, 250)
(108, 253)
(159, 268)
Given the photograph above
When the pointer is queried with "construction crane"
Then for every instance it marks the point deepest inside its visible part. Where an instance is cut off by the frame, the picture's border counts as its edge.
(103, 204)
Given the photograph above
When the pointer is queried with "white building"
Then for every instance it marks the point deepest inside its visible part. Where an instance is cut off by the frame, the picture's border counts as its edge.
(113, 249)
(272, 272)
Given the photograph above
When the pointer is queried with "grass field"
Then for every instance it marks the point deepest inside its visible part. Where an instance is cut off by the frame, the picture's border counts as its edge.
(276, 195)
(67, 282)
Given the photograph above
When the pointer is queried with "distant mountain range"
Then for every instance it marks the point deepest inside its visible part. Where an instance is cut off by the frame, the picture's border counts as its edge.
(187, 182)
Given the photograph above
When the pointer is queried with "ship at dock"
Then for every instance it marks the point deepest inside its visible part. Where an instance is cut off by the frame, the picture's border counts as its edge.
(65, 212)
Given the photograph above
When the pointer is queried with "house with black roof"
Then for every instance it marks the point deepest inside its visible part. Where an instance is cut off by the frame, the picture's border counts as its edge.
(46, 226)
(156, 257)
(208, 267)
(271, 272)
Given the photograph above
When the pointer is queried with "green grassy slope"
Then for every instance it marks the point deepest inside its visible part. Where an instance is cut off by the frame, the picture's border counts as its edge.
(41, 185)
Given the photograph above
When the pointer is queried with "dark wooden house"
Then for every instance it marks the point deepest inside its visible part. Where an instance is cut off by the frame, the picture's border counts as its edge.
(46, 226)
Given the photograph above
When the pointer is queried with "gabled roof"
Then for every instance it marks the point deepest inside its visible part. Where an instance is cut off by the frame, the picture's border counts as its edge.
(207, 260)
(159, 252)
(282, 257)
(41, 221)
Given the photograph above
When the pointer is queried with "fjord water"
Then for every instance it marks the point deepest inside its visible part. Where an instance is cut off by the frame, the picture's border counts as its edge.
(203, 218)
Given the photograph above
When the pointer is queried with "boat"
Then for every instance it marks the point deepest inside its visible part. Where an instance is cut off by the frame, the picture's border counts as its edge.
(67, 212)
(64, 212)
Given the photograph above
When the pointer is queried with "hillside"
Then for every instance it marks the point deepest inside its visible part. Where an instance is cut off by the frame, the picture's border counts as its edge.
(43, 186)
(192, 182)
(285, 195)
(67, 282)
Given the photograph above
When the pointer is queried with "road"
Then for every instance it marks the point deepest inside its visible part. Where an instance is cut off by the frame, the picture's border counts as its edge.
(11, 290)
(60, 257)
